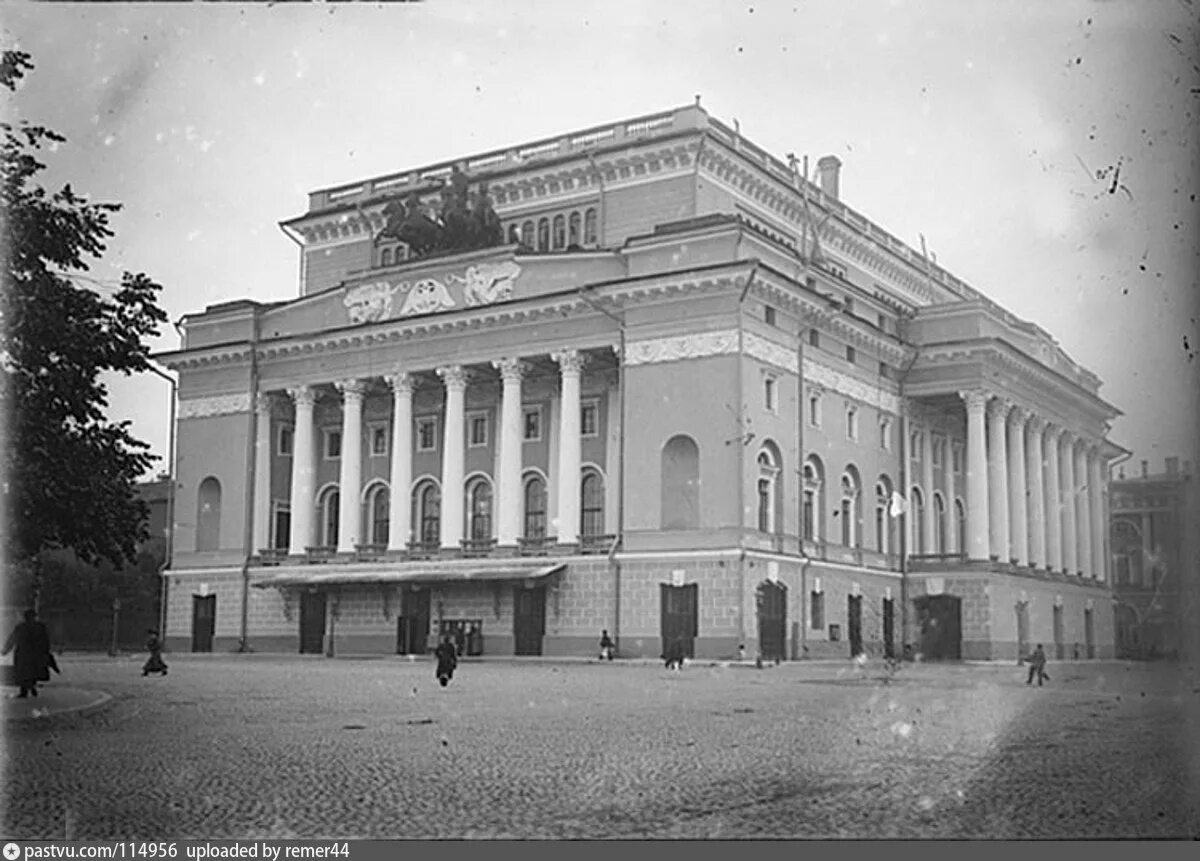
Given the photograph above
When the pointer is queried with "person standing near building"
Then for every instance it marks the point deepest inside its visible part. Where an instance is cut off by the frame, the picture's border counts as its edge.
(607, 646)
(32, 659)
(1037, 666)
(447, 660)
(155, 664)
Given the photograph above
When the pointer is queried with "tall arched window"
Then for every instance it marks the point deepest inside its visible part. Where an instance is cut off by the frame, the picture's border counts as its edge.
(960, 518)
(378, 499)
(543, 236)
(768, 482)
(883, 527)
(591, 511)
(208, 515)
(940, 523)
(385, 257)
(589, 227)
(573, 225)
(527, 234)
(680, 484)
(917, 530)
(427, 513)
(560, 233)
(535, 507)
(813, 504)
(849, 508)
(479, 510)
(329, 504)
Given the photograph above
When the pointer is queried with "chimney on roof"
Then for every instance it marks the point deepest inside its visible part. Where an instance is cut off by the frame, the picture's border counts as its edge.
(828, 170)
(1172, 466)
(1145, 468)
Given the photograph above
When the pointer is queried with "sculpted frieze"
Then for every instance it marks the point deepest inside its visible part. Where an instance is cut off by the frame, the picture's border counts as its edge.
(679, 347)
(217, 405)
(479, 284)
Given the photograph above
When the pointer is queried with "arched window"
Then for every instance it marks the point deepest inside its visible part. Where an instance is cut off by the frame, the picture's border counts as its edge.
(812, 504)
(378, 499)
(427, 514)
(768, 490)
(960, 516)
(680, 483)
(560, 232)
(591, 511)
(527, 234)
(385, 257)
(514, 235)
(573, 225)
(917, 530)
(329, 504)
(589, 227)
(543, 236)
(849, 508)
(883, 523)
(940, 524)
(479, 510)
(535, 507)
(208, 515)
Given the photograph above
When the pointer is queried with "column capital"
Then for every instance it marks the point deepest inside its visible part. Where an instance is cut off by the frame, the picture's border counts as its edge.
(1037, 424)
(401, 382)
(1053, 432)
(351, 389)
(454, 376)
(999, 408)
(569, 361)
(264, 404)
(1068, 438)
(1020, 415)
(511, 369)
(304, 396)
(975, 399)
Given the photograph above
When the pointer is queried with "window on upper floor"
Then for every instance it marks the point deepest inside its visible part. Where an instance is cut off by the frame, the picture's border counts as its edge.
(531, 421)
(287, 441)
(332, 447)
(477, 425)
(956, 456)
(850, 354)
(589, 419)
(379, 440)
(769, 315)
(848, 304)
(885, 434)
(814, 338)
(574, 222)
(543, 234)
(937, 453)
(427, 433)
(814, 409)
(771, 393)
(589, 227)
(559, 238)
(885, 371)
(852, 422)
(527, 234)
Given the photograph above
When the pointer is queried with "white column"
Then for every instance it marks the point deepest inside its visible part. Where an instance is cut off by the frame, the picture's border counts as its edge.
(350, 477)
(400, 501)
(1083, 513)
(998, 478)
(1054, 556)
(1037, 493)
(262, 473)
(1019, 545)
(929, 527)
(1066, 461)
(977, 477)
(1099, 519)
(948, 494)
(455, 378)
(508, 484)
(303, 457)
(569, 455)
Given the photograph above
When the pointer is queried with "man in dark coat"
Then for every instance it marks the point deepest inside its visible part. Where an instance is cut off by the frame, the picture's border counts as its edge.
(155, 664)
(447, 660)
(32, 659)
(1037, 666)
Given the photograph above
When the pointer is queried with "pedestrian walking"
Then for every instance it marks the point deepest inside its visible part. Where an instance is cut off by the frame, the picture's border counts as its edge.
(447, 660)
(674, 654)
(607, 646)
(1037, 666)
(32, 659)
(155, 664)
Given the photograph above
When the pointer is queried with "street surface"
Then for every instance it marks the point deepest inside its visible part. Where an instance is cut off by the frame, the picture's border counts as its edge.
(290, 746)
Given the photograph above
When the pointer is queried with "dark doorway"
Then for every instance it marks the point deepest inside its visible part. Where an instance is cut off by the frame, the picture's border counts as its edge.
(1060, 648)
(1089, 634)
(529, 620)
(680, 618)
(854, 624)
(412, 625)
(283, 529)
(312, 623)
(1022, 630)
(204, 622)
(939, 619)
(889, 628)
(772, 621)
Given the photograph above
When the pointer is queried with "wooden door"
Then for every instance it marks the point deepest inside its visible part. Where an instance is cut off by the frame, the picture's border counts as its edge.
(312, 623)
(204, 622)
(412, 625)
(529, 620)
(940, 620)
(680, 616)
(854, 624)
(772, 621)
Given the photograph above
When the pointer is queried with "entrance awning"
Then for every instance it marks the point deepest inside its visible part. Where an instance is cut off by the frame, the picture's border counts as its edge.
(444, 573)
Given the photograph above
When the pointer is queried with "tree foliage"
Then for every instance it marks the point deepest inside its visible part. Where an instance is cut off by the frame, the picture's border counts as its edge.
(70, 470)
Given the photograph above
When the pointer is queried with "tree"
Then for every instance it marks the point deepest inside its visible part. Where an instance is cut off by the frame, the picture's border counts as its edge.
(70, 470)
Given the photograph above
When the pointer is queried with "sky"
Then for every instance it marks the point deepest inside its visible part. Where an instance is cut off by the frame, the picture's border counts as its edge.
(1047, 152)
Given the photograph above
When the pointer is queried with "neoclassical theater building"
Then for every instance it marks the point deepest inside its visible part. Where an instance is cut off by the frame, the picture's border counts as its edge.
(687, 395)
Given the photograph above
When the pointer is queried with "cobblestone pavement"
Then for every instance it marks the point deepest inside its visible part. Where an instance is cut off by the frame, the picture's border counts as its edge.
(230, 746)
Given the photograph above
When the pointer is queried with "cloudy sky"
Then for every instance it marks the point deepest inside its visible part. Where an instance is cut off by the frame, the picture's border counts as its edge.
(1045, 150)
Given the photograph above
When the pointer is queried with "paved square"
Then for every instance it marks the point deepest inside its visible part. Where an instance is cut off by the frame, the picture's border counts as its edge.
(230, 746)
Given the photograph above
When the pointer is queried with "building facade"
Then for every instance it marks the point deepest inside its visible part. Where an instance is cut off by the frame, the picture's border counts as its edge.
(1148, 524)
(690, 395)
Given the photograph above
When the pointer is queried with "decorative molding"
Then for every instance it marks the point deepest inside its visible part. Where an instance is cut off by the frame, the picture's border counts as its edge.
(304, 396)
(680, 347)
(769, 352)
(401, 383)
(830, 379)
(975, 399)
(511, 370)
(455, 377)
(352, 390)
(570, 362)
(217, 405)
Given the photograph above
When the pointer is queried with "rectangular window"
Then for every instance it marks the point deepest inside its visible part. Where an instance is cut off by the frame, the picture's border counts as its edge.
(882, 323)
(589, 419)
(477, 430)
(835, 632)
(770, 394)
(816, 606)
(814, 338)
(333, 444)
(885, 371)
(769, 315)
(885, 435)
(852, 422)
(956, 456)
(287, 438)
(849, 354)
(937, 454)
(848, 305)
(531, 422)
(427, 434)
(814, 410)
(379, 440)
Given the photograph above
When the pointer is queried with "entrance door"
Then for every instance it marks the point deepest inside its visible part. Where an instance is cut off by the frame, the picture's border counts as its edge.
(889, 628)
(680, 618)
(1089, 634)
(1022, 630)
(854, 624)
(529, 620)
(312, 623)
(412, 626)
(772, 620)
(940, 620)
(1060, 648)
(204, 622)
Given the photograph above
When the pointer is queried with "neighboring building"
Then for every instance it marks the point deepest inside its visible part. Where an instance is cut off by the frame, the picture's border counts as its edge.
(1148, 525)
(687, 399)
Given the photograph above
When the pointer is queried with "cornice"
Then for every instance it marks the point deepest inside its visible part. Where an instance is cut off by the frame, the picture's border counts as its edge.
(191, 360)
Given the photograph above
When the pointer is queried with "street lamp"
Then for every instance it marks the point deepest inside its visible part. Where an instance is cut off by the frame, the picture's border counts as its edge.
(170, 536)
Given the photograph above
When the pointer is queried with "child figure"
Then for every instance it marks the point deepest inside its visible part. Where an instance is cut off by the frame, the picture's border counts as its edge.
(155, 664)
